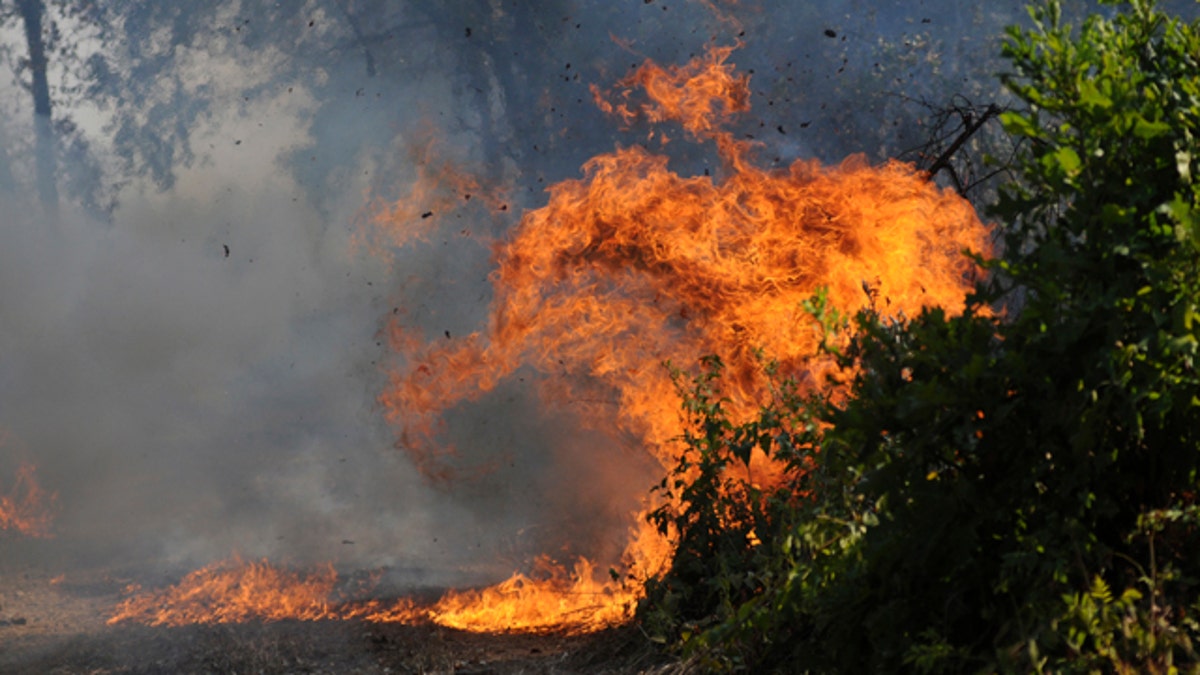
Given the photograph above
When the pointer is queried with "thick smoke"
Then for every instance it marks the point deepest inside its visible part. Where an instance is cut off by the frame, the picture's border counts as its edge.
(194, 378)
(195, 373)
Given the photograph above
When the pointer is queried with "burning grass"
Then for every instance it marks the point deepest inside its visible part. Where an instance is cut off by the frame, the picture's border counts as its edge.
(236, 591)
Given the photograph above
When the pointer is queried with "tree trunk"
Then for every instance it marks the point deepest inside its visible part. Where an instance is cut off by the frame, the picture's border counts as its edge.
(32, 12)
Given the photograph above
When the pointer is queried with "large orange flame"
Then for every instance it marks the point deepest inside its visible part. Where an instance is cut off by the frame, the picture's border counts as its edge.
(634, 265)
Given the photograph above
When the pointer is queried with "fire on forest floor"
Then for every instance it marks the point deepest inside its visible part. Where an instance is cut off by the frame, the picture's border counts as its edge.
(56, 623)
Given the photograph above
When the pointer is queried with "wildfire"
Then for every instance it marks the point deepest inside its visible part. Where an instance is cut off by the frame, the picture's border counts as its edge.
(233, 591)
(635, 264)
(626, 268)
(27, 508)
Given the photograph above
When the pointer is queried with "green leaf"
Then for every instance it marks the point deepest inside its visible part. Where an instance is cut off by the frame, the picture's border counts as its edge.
(1100, 590)
(1147, 130)
(1019, 125)
(1068, 160)
(1090, 96)
(1186, 218)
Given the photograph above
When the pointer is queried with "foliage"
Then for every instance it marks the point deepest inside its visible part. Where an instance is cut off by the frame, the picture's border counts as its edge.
(721, 517)
(993, 476)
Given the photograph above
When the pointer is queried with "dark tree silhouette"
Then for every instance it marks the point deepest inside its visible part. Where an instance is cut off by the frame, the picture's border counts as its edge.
(32, 12)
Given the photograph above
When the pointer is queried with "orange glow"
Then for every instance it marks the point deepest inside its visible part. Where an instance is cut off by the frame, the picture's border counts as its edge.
(634, 265)
(626, 268)
(699, 95)
(27, 509)
(549, 600)
(233, 591)
(438, 188)
(236, 591)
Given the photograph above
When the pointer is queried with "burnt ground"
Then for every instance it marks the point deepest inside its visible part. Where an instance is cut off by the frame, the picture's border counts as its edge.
(55, 624)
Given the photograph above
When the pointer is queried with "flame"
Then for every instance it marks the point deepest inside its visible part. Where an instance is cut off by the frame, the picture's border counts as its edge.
(700, 95)
(634, 265)
(440, 186)
(233, 591)
(626, 268)
(27, 508)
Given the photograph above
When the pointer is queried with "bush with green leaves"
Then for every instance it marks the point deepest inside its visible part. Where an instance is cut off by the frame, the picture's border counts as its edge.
(993, 474)
(724, 524)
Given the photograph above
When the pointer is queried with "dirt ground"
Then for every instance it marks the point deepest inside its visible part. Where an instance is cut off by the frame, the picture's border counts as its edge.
(54, 623)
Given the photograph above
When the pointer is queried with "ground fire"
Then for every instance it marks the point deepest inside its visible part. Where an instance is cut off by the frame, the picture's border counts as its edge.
(625, 269)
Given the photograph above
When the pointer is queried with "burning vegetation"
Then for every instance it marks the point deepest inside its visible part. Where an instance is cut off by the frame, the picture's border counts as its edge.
(627, 268)
(27, 508)
(767, 414)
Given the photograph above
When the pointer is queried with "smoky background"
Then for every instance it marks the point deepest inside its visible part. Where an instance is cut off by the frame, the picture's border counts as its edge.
(191, 335)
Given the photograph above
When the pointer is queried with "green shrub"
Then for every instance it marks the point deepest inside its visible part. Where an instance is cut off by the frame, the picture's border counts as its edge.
(992, 475)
